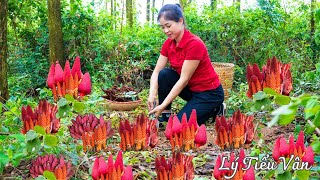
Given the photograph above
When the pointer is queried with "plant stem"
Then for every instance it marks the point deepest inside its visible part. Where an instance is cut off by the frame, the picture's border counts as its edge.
(4, 133)
(317, 129)
(6, 108)
(255, 128)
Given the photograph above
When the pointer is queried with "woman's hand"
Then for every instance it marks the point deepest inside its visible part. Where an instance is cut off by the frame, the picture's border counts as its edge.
(157, 110)
(151, 102)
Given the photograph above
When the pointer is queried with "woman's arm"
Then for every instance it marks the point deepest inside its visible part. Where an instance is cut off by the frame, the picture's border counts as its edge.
(188, 68)
(161, 63)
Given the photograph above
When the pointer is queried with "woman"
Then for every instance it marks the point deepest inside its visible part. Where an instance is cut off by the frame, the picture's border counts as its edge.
(191, 75)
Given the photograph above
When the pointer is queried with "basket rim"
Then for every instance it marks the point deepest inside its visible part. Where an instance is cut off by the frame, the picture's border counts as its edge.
(128, 102)
(223, 63)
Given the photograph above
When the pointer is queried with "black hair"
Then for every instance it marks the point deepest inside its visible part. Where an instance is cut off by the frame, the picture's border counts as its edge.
(171, 12)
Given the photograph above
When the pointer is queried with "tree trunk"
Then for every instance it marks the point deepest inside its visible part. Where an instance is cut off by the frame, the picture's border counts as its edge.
(213, 4)
(129, 12)
(312, 30)
(56, 50)
(113, 13)
(4, 93)
(122, 17)
(152, 11)
(72, 10)
(112, 4)
(148, 11)
(181, 4)
(238, 4)
(312, 22)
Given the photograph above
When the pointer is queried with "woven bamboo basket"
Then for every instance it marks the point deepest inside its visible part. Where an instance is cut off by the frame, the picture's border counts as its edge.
(225, 72)
(123, 106)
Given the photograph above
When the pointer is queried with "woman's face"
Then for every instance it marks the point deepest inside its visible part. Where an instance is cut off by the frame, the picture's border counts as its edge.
(171, 28)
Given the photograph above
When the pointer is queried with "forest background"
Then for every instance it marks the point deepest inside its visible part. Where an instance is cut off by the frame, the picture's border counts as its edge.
(113, 41)
(118, 48)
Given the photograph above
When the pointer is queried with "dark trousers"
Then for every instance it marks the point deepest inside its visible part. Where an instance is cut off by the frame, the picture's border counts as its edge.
(205, 102)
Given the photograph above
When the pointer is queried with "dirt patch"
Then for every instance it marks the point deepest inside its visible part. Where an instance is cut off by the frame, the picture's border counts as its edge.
(270, 134)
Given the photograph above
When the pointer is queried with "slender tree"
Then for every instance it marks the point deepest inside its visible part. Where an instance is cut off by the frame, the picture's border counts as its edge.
(113, 13)
(213, 4)
(184, 3)
(56, 50)
(152, 11)
(4, 93)
(181, 2)
(148, 11)
(312, 29)
(112, 7)
(129, 13)
(72, 6)
(237, 3)
(122, 16)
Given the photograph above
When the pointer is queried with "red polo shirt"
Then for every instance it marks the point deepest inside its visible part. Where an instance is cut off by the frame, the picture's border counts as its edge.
(191, 47)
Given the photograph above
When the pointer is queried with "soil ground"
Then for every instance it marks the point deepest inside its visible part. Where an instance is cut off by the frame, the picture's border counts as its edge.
(143, 162)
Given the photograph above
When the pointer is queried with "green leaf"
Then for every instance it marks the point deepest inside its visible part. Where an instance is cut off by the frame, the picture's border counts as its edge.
(309, 129)
(318, 64)
(282, 100)
(40, 178)
(259, 95)
(259, 105)
(78, 106)
(4, 129)
(31, 135)
(283, 115)
(62, 102)
(33, 145)
(4, 159)
(69, 98)
(304, 99)
(316, 146)
(14, 110)
(49, 175)
(270, 91)
(280, 170)
(60, 132)
(297, 129)
(269, 174)
(19, 137)
(317, 159)
(311, 108)
(316, 120)
(0, 107)
(286, 119)
(39, 130)
(17, 158)
(284, 176)
(9, 153)
(315, 168)
(302, 174)
(50, 140)
(63, 111)
(317, 18)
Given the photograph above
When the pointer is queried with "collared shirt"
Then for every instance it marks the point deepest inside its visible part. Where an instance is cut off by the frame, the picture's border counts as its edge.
(191, 47)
